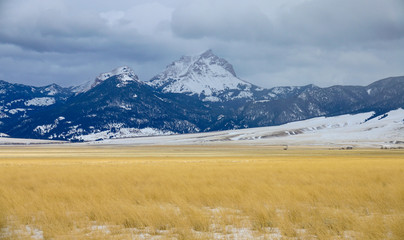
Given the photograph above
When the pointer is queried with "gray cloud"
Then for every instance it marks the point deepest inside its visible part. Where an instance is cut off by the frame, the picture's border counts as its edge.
(226, 20)
(270, 43)
(344, 22)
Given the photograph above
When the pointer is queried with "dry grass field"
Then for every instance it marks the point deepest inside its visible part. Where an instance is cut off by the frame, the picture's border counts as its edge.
(200, 192)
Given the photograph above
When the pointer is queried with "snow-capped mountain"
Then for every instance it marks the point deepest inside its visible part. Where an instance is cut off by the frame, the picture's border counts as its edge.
(206, 75)
(194, 94)
(124, 73)
(118, 105)
(20, 102)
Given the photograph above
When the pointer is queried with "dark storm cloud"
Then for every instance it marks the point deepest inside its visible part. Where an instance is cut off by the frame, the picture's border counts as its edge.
(278, 42)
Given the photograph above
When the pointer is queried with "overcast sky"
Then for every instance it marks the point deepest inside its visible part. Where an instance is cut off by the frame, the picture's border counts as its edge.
(269, 42)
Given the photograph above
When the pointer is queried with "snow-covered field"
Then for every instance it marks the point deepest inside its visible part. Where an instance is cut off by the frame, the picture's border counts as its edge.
(345, 130)
(359, 130)
(4, 140)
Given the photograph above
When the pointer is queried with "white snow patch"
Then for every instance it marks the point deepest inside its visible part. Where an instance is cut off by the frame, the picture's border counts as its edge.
(126, 107)
(51, 90)
(220, 117)
(14, 101)
(16, 110)
(211, 99)
(43, 101)
(101, 228)
(27, 232)
(46, 128)
(120, 132)
(244, 94)
(3, 115)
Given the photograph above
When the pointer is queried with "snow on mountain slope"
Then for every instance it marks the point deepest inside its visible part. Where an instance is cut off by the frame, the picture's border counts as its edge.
(204, 74)
(352, 130)
(123, 133)
(42, 101)
(125, 74)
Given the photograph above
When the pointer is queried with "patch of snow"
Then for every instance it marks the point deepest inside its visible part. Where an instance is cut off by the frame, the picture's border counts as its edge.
(35, 232)
(51, 90)
(16, 110)
(211, 99)
(116, 131)
(3, 115)
(46, 128)
(14, 101)
(27, 232)
(42, 101)
(369, 91)
(4, 135)
(126, 107)
(101, 228)
(244, 94)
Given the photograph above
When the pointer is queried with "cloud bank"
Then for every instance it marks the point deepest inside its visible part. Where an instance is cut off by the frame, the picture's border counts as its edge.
(270, 43)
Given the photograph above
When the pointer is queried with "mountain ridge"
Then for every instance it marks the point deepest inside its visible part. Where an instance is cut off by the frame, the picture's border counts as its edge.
(118, 104)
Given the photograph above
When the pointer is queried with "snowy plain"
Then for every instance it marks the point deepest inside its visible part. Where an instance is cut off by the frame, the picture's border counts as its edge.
(358, 130)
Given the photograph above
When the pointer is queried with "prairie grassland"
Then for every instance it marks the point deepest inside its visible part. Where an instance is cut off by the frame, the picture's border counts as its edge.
(200, 192)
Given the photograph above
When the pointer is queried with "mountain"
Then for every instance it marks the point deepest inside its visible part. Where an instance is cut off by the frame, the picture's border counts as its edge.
(194, 94)
(116, 105)
(19, 102)
(207, 76)
(124, 73)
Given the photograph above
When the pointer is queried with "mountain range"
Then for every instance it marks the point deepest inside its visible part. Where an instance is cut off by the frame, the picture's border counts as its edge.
(193, 94)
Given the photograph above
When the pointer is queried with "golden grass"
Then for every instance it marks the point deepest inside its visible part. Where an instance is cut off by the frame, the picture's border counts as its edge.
(200, 192)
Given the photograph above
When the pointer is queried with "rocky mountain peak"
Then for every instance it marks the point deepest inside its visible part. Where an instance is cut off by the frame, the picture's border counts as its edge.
(123, 73)
(205, 74)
